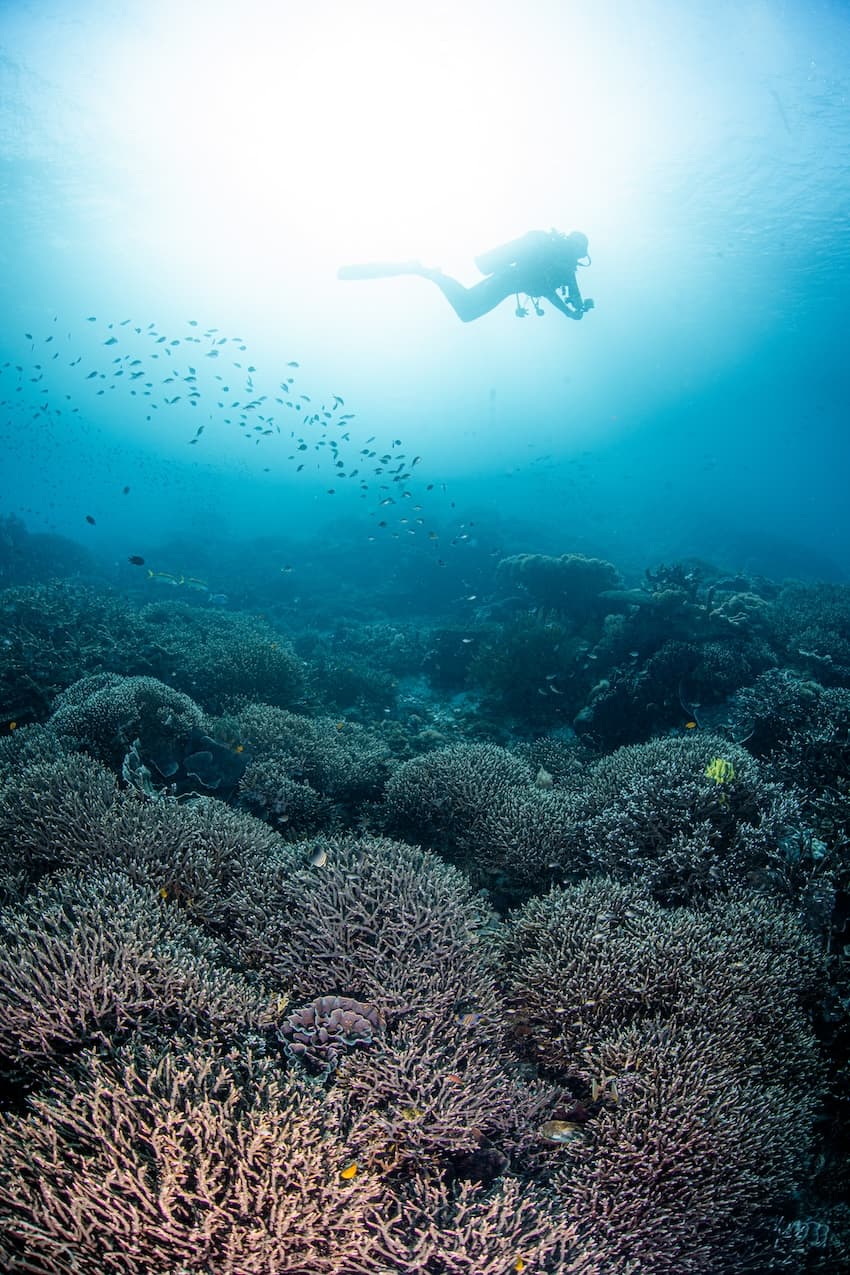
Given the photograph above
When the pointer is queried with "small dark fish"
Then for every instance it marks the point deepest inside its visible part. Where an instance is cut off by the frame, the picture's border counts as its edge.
(126, 491)
(90, 520)
(136, 560)
(112, 340)
(293, 364)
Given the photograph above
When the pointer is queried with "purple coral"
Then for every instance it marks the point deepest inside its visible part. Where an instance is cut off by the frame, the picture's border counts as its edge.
(188, 1160)
(324, 1031)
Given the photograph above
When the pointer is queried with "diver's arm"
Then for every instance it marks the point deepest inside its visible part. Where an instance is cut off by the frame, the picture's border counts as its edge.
(565, 307)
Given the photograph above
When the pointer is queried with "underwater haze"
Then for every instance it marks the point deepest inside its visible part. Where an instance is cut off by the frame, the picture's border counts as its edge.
(425, 637)
(162, 165)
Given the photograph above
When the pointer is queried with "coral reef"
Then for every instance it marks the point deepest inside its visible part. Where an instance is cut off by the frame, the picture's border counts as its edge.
(813, 623)
(55, 634)
(90, 962)
(216, 657)
(531, 671)
(591, 1014)
(68, 812)
(291, 806)
(484, 807)
(662, 812)
(191, 1159)
(569, 585)
(376, 920)
(340, 760)
(105, 714)
(686, 1038)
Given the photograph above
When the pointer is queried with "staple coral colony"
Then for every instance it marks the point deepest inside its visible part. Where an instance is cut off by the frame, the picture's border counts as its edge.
(517, 943)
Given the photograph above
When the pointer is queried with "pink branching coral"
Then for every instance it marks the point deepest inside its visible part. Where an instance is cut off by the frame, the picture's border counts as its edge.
(657, 813)
(462, 1229)
(94, 961)
(376, 920)
(68, 811)
(686, 1033)
(395, 928)
(481, 803)
(434, 1093)
(188, 1161)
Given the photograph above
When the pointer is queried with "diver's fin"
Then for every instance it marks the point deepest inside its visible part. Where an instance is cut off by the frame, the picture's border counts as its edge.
(379, 270)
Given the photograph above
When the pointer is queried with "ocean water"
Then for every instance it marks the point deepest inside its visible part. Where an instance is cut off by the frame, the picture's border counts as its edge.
(277, 491)
(162, 167)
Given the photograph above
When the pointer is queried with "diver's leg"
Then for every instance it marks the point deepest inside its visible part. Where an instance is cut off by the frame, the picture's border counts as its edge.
(471, 303)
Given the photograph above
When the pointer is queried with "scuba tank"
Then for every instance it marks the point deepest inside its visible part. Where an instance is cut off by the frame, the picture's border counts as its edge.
(510, 254)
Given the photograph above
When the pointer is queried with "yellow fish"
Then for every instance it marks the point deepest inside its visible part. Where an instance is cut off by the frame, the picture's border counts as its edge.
(720, 770)
(349, 1172)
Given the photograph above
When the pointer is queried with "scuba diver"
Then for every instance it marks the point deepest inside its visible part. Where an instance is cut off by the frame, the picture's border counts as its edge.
(540, 265)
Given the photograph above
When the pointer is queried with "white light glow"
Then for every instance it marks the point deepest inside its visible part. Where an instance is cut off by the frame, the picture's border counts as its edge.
(369, 129)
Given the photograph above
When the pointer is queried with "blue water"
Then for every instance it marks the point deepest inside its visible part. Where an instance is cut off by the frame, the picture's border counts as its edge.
(162, 165)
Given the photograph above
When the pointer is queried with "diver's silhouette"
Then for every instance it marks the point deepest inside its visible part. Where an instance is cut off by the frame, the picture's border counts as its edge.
(539, 265)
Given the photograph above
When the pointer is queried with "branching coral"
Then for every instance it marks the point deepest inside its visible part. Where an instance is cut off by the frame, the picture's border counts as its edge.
(293, 808)
(69, 812)
(54, 634)
(378, 921)
(585, 962)
(693, 1168)
(340, 760)
(446, 792)
(105, 714)
(654, 811)
(192, 1160)
(647, 810)
(386, 925)
(813, 621)
(689, 1032)
(216, 656)
(440, 1091)
(484, 806)
(461, 1227)
(85, 962)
